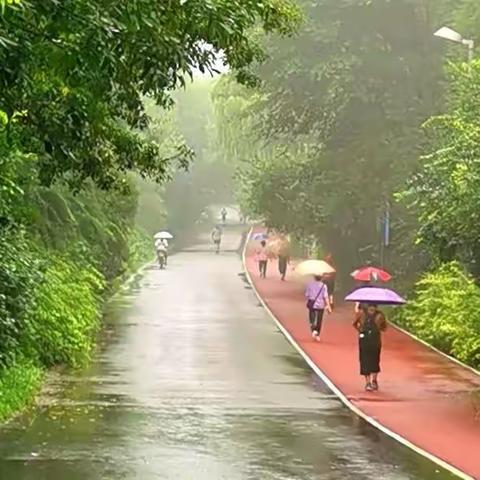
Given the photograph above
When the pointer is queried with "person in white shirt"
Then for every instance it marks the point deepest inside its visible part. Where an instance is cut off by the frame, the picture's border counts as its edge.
(161, 247)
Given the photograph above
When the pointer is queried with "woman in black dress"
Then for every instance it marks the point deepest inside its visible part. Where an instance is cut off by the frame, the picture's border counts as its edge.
(370, 324)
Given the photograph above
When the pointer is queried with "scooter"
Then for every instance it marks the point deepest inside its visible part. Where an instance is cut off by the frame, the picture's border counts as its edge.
(162, 259)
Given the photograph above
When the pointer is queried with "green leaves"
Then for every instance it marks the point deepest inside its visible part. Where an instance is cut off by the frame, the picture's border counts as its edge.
(445, 312)
(444, 193)
(20, 272)
(80, 73)
(352, 90)
(61, 329)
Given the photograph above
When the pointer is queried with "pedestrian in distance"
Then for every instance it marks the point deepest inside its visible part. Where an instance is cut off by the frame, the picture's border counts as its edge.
(165, 244)
(224, 215)
(162, 254)
(329, 280)
(318, 301)
(262, 259)
(283, 261)
(370, 323)
(217, 238)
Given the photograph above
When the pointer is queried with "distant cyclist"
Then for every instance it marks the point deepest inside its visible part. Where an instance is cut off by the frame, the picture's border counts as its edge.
(217, 238)
(162, 254)
(165, 244)
(224, 215)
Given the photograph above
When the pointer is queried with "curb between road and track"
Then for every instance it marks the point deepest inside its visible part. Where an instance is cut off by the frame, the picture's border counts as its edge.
(338, 392)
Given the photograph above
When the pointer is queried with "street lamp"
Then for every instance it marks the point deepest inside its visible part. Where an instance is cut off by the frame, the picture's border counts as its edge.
(453, 36)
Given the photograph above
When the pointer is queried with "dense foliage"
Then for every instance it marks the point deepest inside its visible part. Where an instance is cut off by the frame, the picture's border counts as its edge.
(209, 180)
(355, 103)
(355, 116)
(445, 193)
(445, 312)
(84, 132)
(76, 72)
(60, 329)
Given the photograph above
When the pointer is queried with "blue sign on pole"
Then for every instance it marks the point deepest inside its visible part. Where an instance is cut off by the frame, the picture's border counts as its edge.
(386, 227)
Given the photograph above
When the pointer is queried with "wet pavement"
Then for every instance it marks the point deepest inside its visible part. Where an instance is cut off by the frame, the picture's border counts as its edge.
(193, 381)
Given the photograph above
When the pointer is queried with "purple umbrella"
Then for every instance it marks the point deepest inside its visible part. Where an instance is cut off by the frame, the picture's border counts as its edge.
(375, 295)
(259, 236)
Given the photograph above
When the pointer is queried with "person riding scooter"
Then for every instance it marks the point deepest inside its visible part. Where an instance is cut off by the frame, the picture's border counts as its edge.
(162, 254)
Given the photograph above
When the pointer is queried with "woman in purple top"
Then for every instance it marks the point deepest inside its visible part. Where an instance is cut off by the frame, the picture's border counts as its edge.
(317, 297)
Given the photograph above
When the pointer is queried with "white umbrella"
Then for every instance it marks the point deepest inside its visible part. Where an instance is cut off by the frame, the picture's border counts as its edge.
(314, 267)
(162, 235)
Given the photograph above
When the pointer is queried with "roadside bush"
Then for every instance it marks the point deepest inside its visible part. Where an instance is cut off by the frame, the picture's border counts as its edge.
(140, 249)
(18, 385)
(61, 327)
(20, 272)
(445, 312)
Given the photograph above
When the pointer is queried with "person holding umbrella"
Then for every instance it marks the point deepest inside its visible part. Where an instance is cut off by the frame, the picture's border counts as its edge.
(161, 244)
(318, 300)
(316, 292)
(283, 261)
(280, 247)
(370, 323)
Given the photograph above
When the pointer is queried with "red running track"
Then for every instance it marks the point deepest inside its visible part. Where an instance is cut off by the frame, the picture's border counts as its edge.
(424, 397)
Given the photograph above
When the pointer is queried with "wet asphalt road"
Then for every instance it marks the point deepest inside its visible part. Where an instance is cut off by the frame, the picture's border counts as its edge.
(192, 381)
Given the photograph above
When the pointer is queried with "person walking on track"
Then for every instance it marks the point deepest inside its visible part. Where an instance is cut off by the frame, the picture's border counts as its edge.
(283, 261)
(262, 259)
(370, 324)
(318, 300)
(217, 238)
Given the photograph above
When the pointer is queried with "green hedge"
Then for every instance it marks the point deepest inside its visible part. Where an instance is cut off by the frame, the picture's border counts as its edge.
(18, 384)
(61, 327)
(50, 309)
(445, 312)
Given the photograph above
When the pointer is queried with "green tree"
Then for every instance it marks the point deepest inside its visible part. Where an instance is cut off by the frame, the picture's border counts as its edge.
(78, 72)
(353, 89)
(444, 193)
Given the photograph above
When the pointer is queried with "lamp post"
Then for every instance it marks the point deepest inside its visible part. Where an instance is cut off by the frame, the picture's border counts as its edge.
(384, 232)
(449, 34)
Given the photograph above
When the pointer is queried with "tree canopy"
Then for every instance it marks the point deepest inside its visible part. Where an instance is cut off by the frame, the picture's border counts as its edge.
(352, 89)
(74, 74)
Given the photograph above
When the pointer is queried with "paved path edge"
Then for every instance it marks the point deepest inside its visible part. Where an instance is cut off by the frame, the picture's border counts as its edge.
(339, 393)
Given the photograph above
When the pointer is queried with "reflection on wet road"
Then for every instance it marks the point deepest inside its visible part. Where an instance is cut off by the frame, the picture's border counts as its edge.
(193, 381)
